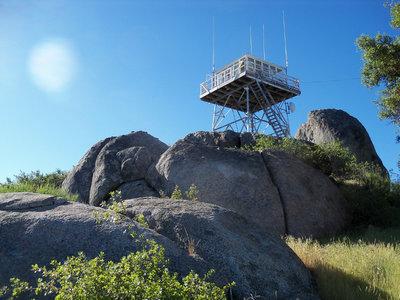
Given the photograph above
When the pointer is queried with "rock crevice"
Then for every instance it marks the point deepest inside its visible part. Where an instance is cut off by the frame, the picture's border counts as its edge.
(279, 192)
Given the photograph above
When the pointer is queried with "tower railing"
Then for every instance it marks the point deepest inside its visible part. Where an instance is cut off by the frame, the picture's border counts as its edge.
(250, 66)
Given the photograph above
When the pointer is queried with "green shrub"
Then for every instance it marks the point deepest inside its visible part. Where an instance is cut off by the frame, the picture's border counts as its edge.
(37, 179)
(332, 159)
(140, 275)
(44, 189)
(191, 194)
(376, 200)
(36, 182)
(177, 193)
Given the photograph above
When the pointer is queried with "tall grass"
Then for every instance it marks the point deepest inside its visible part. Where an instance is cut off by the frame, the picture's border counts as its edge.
(36, 182)
(351, 268)
(42, 189)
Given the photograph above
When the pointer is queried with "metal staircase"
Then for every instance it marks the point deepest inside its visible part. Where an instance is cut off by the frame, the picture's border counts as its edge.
(272, 111)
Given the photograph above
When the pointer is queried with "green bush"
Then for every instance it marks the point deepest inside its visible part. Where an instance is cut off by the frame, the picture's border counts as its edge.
(376, 200)
(140, 275)
(191, 194)
(36, 182)
(37, 179)
(46, 189)
(177, 193)
(332, 159)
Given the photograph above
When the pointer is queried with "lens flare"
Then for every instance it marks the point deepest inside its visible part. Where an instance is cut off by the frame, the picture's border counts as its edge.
(52, 65)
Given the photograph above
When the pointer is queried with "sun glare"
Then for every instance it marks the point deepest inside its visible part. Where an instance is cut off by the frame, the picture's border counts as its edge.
(52, 65)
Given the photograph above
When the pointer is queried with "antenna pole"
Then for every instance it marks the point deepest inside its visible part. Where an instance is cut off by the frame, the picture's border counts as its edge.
(284, 36)
(213, 73)
(251, 43)
(263, 43)
(213, 66)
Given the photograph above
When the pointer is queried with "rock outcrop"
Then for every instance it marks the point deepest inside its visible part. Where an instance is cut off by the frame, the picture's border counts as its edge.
(329, 125)
(237, 248)
(313, 205)
(252, 184)
(232, 178)
(273, 189)
(38, 228)
(111, 163)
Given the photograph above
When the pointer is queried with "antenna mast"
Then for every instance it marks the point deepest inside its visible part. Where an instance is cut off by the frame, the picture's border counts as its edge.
(284, 36)
(263, 43)
(213, 67)
(251, 43)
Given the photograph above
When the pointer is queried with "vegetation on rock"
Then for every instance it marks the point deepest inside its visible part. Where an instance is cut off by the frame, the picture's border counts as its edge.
(191, 194)
(140, 275)
(37, 182)
(374, 197)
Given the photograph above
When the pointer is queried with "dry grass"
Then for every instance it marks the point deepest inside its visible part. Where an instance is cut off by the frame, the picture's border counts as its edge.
(352, 269)
(190, 244)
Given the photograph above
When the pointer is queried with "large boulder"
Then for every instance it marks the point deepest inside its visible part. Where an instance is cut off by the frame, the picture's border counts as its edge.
(39, 228)
(111, 163)
(312, 203)
(232, 178)
(329, 125)
(237, 249)
(36, 229)
(275, 190)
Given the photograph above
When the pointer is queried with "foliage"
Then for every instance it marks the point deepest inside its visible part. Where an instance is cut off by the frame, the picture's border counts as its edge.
(375, 199)
(46, 189)
(332, 159)
(116, 211)
(381, 57)
(191, 194)
(177, 193)
(36, 182)
(140, 275)
(354, 266)
(37, 179)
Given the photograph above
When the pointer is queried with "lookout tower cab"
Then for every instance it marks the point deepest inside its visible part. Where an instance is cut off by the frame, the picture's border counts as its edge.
(250, 95)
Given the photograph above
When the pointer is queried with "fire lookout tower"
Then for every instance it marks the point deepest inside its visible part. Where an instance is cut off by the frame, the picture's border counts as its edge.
(250, 94)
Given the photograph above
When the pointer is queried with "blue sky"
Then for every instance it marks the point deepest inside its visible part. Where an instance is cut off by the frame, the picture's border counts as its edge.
(112, 67)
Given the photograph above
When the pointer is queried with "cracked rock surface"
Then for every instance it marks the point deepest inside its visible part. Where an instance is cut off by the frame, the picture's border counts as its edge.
(113, 162)
(38, 228)
(277, 191)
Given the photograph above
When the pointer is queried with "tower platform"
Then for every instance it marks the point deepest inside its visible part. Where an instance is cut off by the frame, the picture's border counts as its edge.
(255, 91)
(231, 79)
